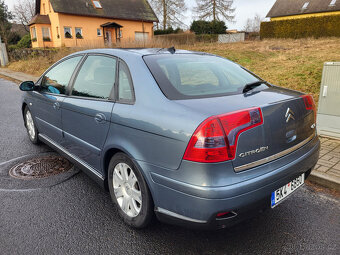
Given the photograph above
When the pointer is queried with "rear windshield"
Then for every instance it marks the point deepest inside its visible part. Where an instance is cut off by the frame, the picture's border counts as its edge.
(185, 76)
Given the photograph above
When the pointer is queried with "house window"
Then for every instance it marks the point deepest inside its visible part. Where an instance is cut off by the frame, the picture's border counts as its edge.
(97, 4)
(304, 7)
(46, 34)
(67, 32)
(79, 33)
(99, 32)
(34, 34)
(141, 36)
(333, 2)
(44, 9)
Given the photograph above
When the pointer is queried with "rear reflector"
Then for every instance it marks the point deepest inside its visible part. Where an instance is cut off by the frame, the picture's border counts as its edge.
(215, 140)
(226, 215)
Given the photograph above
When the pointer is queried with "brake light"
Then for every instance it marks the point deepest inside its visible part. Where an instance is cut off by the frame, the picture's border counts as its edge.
(310, 104)
(215, 140)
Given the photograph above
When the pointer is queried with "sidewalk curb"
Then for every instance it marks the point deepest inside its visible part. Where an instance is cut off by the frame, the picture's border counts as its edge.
(325, 180)
(17, 76)
(10, 78)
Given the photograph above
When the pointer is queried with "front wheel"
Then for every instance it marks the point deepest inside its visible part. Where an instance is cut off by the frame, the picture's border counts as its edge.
(32, 130)
(129, 191)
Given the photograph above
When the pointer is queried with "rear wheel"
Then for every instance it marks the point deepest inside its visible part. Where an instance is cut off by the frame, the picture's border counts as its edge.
(30, 126)
(129, 191)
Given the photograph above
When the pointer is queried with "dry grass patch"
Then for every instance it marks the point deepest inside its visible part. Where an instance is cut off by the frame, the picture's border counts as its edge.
(294, 64)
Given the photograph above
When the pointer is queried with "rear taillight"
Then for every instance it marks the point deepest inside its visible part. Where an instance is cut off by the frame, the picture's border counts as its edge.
(215, 140)
(310, 104)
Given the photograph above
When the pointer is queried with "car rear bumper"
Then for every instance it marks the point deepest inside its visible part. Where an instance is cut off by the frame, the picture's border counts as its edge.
(197, 206)
(241, 208)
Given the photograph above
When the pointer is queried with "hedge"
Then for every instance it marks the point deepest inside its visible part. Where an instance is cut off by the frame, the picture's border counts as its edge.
(324, 26)
(167, 31)
(186, 38)
(200, 27)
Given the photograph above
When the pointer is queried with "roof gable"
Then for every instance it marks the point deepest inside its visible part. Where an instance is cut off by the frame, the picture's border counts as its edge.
(40, 19)
(115, 9)
(294, 7)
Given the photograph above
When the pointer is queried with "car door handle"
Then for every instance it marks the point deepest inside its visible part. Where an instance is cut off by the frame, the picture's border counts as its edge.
(56, 106)
(100, 118)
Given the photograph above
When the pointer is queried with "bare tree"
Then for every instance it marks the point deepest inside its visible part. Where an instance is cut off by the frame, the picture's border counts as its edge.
(169, 12)
(253, 24)
(24, 10)
(215, 10)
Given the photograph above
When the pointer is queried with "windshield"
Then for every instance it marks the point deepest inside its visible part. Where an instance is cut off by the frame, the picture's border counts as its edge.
(184, 76)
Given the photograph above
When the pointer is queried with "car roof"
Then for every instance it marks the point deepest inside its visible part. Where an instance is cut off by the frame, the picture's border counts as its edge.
(139, 51)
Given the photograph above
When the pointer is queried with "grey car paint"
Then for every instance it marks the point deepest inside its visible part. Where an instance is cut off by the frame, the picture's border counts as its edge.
(154, 131)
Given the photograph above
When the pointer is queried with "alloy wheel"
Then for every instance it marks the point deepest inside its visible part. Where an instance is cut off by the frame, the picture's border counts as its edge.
(30, 125)
(127, 190)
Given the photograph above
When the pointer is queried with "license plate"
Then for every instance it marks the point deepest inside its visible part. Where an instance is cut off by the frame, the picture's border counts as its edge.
(283, 192)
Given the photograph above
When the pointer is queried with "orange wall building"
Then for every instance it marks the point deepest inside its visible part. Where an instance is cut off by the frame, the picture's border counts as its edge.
(90, 23)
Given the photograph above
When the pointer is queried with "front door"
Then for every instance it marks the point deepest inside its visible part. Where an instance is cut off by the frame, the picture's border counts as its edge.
(328, 119)
(50, 96)
(86, 113)
(108, 36)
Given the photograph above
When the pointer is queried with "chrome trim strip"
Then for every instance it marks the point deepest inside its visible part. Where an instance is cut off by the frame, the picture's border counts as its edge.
(48, 124)
(178, 216)
(273, 157)
(80, 161)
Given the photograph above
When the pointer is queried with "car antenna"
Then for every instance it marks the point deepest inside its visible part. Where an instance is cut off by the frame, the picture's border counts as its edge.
(172, 50)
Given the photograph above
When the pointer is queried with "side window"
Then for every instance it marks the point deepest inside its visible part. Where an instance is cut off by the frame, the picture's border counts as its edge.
(125, 92)
(96, 78)
(56, 80)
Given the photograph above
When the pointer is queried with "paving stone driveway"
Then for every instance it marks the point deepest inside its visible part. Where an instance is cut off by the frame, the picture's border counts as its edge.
(329, 162)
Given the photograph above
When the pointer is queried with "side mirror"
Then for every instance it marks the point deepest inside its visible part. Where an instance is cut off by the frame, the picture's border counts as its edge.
(27, 86)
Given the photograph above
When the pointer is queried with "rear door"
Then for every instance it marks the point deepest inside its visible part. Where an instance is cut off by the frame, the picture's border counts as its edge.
(50, 96)
(87, 111)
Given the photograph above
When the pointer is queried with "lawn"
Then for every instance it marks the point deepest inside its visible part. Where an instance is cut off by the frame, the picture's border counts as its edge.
(294, 64)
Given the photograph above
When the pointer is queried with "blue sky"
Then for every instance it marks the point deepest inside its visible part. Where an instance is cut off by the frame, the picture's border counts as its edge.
(244, 9)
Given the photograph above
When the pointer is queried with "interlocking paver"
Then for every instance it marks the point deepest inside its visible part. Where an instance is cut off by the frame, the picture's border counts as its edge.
(333, 154)
(323, 169)
(326, 157)
(326, 163)
(328, 166)
(334, 160)
(336, 173)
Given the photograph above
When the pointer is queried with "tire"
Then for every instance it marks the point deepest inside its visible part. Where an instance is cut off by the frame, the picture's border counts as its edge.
(127, 186)
(31, 128)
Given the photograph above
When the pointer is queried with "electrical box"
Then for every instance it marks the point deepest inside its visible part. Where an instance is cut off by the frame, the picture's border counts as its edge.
(328, 117)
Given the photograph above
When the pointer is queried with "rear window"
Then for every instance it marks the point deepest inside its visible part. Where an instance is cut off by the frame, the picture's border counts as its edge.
(185, 76)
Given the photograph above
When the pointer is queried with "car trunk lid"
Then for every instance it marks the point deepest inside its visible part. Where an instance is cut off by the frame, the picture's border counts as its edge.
(287, 123)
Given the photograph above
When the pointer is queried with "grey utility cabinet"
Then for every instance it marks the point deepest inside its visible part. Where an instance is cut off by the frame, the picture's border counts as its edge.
(328, 119)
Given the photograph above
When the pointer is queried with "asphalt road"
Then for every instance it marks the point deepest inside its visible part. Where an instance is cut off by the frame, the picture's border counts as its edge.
(77, 216)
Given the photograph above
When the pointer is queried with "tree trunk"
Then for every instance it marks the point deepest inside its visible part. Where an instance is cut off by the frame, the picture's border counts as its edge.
(164, 14)
(214, 10)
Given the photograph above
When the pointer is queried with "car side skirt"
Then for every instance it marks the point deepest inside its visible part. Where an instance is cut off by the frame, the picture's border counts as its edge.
(90, 171)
